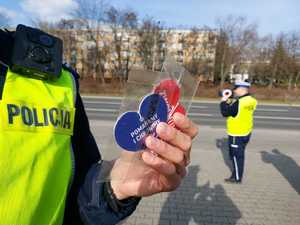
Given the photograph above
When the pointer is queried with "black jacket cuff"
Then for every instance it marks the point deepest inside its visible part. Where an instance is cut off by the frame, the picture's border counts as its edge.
(97, 206)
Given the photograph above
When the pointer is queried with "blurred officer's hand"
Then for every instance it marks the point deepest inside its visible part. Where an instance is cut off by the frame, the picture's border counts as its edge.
(226, 94)
(162, 165)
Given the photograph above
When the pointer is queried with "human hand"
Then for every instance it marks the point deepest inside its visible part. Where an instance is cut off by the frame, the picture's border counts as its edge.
(162, 165)
(226, 94)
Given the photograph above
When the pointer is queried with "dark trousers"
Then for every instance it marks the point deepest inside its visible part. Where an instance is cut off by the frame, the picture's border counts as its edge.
(237, 147)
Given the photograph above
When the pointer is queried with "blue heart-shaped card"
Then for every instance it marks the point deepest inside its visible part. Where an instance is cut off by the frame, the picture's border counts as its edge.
(132, 128)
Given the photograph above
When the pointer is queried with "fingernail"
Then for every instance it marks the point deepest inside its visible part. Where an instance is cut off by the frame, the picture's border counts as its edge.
(178, 116)
(154, 154)
(152, 142)
(162, 128)
(148, 156)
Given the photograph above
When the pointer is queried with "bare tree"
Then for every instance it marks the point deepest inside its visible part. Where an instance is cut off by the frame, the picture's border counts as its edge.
(198, 45)
(236, 35)
(94, 52)
(66, 29)
(277, 60)
(42, 25)
(151, 44)
(123, 24)
(262, 53)
(283, 61)
(278, 57)
(292, 43)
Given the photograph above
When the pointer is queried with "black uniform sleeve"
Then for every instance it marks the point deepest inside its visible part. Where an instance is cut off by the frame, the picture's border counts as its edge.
(80, 203)
(86, 154)
(95, 202)
(229, 107)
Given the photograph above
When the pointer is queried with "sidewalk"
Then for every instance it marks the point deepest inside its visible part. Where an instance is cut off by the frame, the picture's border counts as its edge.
(270, 193)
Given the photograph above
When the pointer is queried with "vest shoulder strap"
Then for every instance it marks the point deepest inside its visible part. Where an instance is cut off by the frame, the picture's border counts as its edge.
(76, 77)
(74, 73)
(3, 71)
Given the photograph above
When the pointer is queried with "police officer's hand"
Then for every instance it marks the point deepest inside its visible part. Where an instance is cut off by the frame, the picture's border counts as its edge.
(226, 94)
(163, 164)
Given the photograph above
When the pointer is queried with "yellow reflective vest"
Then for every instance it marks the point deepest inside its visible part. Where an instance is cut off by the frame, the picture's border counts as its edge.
(242, 123)
(36, 124)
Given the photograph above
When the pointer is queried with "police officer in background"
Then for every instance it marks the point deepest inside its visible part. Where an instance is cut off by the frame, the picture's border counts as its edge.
(49, 160)
(238, 109)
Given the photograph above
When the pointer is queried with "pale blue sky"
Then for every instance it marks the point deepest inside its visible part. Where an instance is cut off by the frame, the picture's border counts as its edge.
(272, 16)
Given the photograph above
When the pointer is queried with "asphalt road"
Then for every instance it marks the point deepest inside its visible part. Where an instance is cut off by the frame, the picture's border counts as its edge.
(205, 113)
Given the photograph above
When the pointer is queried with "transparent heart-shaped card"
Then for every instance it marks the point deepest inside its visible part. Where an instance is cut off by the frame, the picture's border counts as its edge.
(150, 98)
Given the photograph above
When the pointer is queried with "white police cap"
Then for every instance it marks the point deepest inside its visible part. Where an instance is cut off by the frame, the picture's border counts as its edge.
(242, 84)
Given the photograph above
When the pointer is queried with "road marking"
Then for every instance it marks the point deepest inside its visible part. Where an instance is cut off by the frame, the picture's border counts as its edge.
(192, 107)
(272, 110)
(99, 102)
(199, 106)
(119, 103)
(194, 101)
(114, 111)
(101, 110)
(102, 115)
(101, 97)
(276, 118)
(201, 114)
